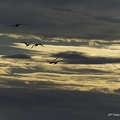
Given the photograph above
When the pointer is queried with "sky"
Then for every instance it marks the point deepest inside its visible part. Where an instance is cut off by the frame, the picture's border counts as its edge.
(83, 35)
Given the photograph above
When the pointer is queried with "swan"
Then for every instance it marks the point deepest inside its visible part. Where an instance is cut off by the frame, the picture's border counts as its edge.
(37, 45)
(16, 25)
(27, 44)
(53, 61)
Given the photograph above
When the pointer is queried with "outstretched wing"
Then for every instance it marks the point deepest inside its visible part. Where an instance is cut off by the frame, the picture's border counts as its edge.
(50, 62)
(55, 59)
(40, 44)
(32, 46)
(55, 62)
(15, 25)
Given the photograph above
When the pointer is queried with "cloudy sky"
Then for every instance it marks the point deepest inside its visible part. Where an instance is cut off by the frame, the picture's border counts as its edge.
(84, 36)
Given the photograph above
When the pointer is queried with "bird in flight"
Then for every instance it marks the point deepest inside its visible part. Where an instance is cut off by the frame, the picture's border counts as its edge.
(16, 25)
(53, 61)
(37, 45)
(27, 44)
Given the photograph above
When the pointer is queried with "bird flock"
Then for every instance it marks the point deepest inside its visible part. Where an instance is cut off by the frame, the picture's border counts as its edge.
(36, 44)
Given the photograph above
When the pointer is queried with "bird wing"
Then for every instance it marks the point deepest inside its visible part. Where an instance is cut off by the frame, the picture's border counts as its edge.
(40, 44)
(55, 59)
(32, 46)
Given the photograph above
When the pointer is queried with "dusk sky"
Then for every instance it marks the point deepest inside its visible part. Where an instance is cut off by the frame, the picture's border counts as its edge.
(84, 36)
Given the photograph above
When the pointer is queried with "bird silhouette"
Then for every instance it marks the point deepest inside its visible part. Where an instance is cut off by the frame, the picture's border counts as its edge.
(37, 45)
(27, 44)
(16, 25)
(53, 61)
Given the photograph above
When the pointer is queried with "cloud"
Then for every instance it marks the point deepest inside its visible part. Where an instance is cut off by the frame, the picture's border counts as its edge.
(85, 70)
(68, 103)
(17, 56)
(59, 9)
(101, 90)
(116, 90)
(73, 57)
(30, 84)
(19, 36)
(70, 55)
(76, 19)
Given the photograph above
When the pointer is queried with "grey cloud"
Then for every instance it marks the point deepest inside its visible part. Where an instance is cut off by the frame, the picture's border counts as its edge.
(106, 90)
(75, 103)
(117, 90)
(63, 9)
(85, 70)
(17, 56)
(34, 84)
(34, 70)
(59, 9)
(37, 84)
(30, 84)
(29, 70)
(72, 57)
(107, 19)
(92, 3)
(80, 19)
(57, 2)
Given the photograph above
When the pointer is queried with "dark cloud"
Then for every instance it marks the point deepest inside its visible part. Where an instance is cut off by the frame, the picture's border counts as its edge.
(75, 104)
(105, 90)
(37, 84)
(59, 9)
(17, 56)
(72, 57)
(30, 84)
(57, 2)
(98, 3)
(66, 18)
(117, 90)
(107, 19)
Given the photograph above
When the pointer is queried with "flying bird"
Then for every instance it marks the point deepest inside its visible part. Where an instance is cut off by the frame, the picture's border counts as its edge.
(16, 25)
(27, 44)
(53, 61)
(37, 45)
